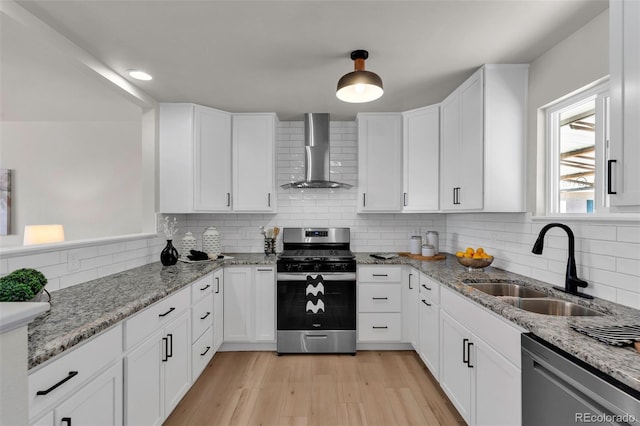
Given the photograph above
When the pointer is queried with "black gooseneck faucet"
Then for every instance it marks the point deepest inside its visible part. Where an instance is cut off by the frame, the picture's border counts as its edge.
(571, 282)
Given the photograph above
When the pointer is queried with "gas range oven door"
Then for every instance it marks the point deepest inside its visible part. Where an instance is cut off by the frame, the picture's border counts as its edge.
(316, 313)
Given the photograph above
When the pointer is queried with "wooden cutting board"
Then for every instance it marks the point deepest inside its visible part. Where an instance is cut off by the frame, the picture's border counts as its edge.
(420, 257)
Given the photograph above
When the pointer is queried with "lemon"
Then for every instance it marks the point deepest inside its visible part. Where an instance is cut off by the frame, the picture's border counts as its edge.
(480, 250)
(469, 251)
(460, 254)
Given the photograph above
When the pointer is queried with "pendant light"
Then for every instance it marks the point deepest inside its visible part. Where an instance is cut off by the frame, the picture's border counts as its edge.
(359, 85)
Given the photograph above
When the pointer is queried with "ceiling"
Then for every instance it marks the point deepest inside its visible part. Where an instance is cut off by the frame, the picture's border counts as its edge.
(287, 56)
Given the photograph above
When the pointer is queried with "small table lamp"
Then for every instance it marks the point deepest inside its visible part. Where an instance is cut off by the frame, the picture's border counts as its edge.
(42, 234)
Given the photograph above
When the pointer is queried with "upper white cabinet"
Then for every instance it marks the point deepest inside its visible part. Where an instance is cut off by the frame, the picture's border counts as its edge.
(379, 162)
(254, 185)
(421, 173)
(624, 144)
(195, 159)
(482, 142)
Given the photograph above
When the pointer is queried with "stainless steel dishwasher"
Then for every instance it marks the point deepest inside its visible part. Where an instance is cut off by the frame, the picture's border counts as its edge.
(559, 390)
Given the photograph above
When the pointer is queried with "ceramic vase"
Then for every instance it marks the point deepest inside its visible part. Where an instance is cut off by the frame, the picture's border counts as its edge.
(211, 242)
(187, 244)
(169, 255)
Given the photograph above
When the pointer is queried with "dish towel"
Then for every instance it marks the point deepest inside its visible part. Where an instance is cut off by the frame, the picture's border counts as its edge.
(314, 294)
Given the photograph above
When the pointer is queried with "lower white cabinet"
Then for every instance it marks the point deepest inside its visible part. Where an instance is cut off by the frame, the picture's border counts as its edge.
(249, 304)
(158, 373)
(410, 301)
(380, 300)
(482, 380)
(429, 320)
(218, 309)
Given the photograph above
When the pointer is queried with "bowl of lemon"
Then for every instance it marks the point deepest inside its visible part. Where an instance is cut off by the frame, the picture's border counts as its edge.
(474, 260)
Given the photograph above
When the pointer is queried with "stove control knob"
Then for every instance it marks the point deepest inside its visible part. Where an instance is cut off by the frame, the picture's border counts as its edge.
(316, 267)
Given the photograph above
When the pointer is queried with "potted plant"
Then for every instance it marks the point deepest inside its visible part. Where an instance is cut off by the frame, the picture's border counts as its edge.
(23, 285)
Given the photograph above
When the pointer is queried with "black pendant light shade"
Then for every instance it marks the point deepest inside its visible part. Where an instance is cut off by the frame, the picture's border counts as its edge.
(359, 85)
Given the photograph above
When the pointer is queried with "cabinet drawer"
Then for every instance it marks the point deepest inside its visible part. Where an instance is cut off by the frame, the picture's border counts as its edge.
(379, 298)
(429, 288)
(385, 327)
(380, 274)
(202, 316)
(155, 316)
(201, 353)
(201, 288)
(56, 380)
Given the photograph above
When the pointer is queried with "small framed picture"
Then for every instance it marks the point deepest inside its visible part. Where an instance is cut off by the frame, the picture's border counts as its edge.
(5, 201)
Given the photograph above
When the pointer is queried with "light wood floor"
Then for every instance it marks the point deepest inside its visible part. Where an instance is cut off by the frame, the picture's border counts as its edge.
(383, 388)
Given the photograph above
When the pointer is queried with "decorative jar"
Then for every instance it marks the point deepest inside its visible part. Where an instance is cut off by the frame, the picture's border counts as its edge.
(188, 243)
(211, 242)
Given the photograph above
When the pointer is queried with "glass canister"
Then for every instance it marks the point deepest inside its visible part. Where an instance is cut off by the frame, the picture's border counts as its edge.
(415, 244)
(211, 242)
(187, 244)
(433, 239)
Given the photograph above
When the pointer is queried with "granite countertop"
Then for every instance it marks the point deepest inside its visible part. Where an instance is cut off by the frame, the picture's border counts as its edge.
(81, 311)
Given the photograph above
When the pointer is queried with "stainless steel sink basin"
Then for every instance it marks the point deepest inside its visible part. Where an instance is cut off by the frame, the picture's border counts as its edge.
(554, 307)
(507, 289)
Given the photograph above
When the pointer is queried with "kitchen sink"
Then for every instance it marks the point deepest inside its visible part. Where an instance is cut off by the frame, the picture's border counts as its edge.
(555, 307)
(507, 289)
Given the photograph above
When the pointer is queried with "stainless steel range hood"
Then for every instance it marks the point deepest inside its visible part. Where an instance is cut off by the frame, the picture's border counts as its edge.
(316, 159)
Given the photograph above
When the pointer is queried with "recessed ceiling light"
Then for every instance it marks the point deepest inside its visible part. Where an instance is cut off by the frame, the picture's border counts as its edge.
(139, 75)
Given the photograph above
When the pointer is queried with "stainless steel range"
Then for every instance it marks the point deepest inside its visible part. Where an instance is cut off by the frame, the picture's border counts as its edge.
(316, 292)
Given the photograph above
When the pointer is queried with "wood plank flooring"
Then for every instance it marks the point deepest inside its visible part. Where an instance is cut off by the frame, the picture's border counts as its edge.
(383, 388)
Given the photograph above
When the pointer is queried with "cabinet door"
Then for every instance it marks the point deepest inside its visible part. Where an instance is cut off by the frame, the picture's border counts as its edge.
(253, 162)
(498, 388)
(449, 151)
(410, 300)
(238, 305)
(144, 395)
(421, 171)
(218, 309)
(625, 102)
(212, 168)
(98, 403)
(455, 375)
(430, 335)
(470, 195)
(379, 162)
(265, 301)
(177, 367)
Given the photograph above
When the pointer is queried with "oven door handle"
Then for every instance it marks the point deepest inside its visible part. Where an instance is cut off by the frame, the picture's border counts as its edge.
(328, 276)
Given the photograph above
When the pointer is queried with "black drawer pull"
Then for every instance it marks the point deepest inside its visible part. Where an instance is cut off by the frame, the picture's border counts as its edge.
(426, 303)
(428, 288)
(70, 376)
(66, 420)
(205, 287)
(167, 313)
(376, 327)
(217, 285)
(205, 315)
(380, 298)
(380, 275)
(205, 352)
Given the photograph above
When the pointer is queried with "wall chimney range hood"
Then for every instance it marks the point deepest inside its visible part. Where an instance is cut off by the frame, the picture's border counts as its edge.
(316, 158)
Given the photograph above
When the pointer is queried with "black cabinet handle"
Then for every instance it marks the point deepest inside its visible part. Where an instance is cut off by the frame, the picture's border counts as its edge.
(404, 199)
(205, 287)
(364, 199)
(380, 275)
(70, 376)
(609, 175)
(264, 270)
(469, 354)
(165, 341)
(410, 288)
(205, 352)
(454, 195)
(217, 285)
(66, 420)
(205, 316)
(465, 358)
(380, 298)
(427, 288)
(425, 302)
(170, 352)
(228, 199)
(383, 327)
(269, 199)
(167, 313)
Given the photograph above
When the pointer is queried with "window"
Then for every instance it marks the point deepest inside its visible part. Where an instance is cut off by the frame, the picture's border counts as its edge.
(577, 135)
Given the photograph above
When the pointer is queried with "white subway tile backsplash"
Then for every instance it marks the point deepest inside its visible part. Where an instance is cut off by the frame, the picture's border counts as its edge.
(34, 261)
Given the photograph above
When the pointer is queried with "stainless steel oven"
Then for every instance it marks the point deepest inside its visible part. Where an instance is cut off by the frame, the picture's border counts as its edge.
(316, 292)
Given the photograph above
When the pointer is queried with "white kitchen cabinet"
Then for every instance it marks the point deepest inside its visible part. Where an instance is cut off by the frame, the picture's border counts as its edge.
(624, 143)
(429, 317)
(253, 153)
(143, 383)
(420, 153)
(410, 301)
(380, 296)
(194, 159)
(482, 142)
(202, 313)
(218, 309)
(480, 363)
(379, 162)
(249, 304)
